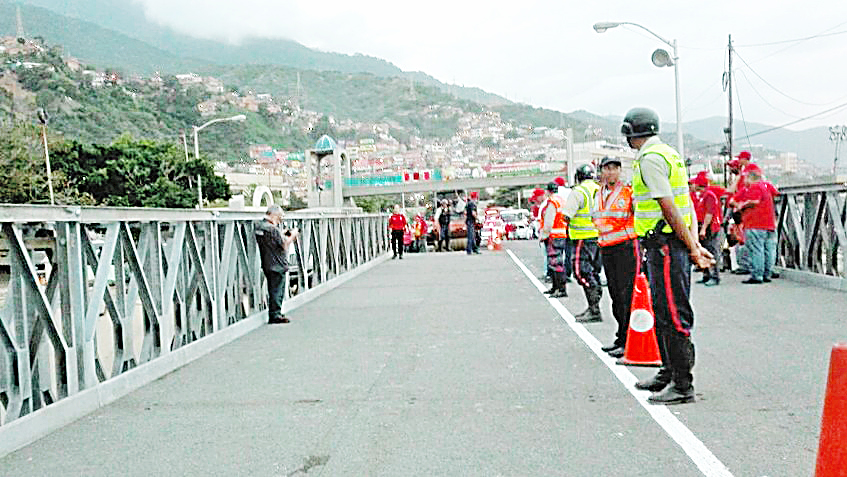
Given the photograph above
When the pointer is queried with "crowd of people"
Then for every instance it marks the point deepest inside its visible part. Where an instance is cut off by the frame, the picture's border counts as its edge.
(664, 225)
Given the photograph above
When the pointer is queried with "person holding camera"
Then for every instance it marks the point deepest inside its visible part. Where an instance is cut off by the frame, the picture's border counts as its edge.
(273, 247)
(665, 223)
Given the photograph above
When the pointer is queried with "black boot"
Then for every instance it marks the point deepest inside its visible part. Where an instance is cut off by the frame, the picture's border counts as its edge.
(584, 313)
(561, 291)
(593, 295)
(680, 390)
(553, 289)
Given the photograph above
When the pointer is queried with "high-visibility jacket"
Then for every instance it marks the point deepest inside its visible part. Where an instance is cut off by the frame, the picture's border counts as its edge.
(613, 216)
(648, 212)
(581, 226)
(560, 228)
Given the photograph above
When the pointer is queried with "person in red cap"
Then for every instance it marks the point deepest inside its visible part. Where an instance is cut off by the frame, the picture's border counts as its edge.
(397, 224)
(709, 219)
(471, 218)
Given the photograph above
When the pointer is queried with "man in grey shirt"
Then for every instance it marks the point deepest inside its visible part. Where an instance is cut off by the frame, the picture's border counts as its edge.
(273, 246)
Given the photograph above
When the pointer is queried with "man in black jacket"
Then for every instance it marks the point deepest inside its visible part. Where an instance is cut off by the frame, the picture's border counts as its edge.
(273, 246)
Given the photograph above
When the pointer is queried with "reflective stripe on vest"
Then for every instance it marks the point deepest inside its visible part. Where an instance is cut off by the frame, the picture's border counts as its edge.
(613, 216)
(648, 212)
(560, 228)
(581, 226)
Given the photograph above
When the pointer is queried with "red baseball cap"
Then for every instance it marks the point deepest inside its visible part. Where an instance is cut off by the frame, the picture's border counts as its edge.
(560, 181)
(474, 195)
(701, 180)
(744, 155)
(734, 164)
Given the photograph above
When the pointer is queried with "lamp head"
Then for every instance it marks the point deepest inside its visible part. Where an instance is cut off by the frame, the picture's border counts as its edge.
(661, 58)
(603, 26)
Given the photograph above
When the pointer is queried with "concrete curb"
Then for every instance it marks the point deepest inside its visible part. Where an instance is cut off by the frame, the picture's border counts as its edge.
(814, 279)
(34, 426)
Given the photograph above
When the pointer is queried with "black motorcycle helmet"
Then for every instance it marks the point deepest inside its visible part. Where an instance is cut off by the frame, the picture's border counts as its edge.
(552, 187)
(584, 172)
(640, 122)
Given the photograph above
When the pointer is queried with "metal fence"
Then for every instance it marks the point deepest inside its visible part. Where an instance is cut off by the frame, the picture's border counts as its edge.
(87, 294)
(811, 229)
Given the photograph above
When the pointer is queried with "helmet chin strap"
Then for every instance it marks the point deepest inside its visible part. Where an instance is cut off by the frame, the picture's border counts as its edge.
(629, 141)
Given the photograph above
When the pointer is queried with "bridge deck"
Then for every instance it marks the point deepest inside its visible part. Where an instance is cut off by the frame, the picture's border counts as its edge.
(444, 364)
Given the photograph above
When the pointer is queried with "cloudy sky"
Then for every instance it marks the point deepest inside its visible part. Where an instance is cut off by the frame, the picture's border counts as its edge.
(545, 52)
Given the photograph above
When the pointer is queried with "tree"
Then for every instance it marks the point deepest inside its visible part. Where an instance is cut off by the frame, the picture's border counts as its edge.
(137, 173)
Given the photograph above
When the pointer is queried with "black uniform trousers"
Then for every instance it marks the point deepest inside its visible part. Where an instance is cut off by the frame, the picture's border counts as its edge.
(444, 237)
(586, 262)
(669, 273)
(621, 262)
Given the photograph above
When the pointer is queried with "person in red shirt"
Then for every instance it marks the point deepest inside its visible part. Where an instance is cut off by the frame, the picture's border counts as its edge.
(759, 219)
(397, 224)
(709, 218)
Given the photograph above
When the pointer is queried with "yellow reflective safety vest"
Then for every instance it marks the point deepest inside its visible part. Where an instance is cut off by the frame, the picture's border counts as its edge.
(581, 226)
(648, 212)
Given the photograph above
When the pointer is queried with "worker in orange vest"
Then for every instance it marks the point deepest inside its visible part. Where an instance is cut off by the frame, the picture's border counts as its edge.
(554, 234)
(614, 217)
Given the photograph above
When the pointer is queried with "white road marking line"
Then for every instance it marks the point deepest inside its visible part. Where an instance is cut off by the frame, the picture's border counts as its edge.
(702, 457)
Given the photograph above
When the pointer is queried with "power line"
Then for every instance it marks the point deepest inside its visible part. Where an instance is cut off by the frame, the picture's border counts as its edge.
(796, 40)
(743, 121)
(762, 97)
(774, 87)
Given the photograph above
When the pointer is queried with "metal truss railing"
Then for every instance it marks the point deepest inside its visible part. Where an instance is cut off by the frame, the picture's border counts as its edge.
(87, 294)
(811, 228)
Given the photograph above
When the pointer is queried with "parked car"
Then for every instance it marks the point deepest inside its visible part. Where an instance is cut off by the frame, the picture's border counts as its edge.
(517, 224)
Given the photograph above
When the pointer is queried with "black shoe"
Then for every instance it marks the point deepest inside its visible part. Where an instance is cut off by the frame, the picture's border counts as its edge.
(670, 395)
(752, 281)
(712, 282)
(703, 280)
(550, 291)
(401, 257)
(767, 280)
(654, 384)
(617, 352)
(278, 320)
(774, 275)
(609, 347)
(394, 257)
(583, 314)
(560, 293)
(590, 318)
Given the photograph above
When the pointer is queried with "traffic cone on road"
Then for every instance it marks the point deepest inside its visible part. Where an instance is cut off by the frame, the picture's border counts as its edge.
(641, 349)
(832, 450)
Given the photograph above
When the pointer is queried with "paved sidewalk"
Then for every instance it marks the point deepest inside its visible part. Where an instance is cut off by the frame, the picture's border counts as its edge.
(447, 364)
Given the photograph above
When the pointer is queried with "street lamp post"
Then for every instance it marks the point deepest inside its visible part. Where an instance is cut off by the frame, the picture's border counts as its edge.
(659, 60)
(43, 118)
(239, 117)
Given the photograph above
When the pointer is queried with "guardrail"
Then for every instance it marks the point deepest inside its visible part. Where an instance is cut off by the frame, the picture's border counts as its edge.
(124, 289)
(811, 231)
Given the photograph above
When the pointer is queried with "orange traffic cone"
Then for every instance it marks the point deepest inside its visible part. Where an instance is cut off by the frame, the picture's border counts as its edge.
(832, 450)
(642, 349)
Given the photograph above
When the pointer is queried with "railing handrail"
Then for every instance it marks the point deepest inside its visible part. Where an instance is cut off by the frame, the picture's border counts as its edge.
(73, 213)
(812, 187)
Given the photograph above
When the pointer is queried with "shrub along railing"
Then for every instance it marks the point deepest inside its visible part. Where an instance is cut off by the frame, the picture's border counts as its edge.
(88, 295)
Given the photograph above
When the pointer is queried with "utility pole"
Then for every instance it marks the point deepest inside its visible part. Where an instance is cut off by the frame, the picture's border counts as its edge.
(837, 134)
(728, 129)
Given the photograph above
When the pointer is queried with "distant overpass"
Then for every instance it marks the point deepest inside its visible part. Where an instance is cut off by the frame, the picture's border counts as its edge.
(240, 181)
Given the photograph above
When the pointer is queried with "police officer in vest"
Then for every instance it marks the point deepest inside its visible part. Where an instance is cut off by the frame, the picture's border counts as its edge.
(554, 235)
(664, 220)
(614, 218)
(584, 249)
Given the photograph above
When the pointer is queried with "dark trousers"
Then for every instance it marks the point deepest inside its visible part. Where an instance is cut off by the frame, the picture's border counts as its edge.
(276, 292)
(669, 273)
(397, 242)
(472, 246)
(713, 243)
(556, 254)
(586, 262)
(445, 238)
(621, 264)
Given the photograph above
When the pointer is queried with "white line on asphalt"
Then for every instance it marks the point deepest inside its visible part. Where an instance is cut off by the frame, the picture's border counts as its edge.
(708, 464)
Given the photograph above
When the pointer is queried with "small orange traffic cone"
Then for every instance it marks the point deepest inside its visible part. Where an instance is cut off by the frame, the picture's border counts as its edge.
(642, 349)
(832, 450)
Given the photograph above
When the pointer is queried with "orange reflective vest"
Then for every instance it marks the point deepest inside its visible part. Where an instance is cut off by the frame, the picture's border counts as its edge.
(613, 216)
(560, 228)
